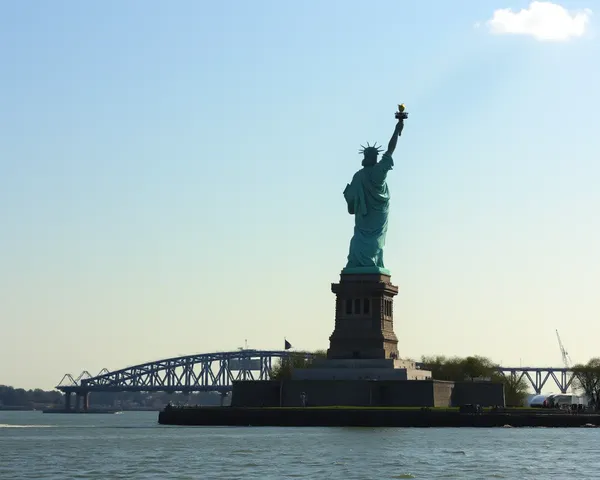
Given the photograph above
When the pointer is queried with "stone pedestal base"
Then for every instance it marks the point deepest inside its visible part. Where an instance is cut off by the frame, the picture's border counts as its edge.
(364, 326)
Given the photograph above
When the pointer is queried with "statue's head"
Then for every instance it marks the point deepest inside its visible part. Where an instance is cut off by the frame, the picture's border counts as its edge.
(370, 153)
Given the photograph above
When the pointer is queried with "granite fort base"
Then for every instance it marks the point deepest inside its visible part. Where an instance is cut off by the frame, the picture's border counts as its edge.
(364, 393)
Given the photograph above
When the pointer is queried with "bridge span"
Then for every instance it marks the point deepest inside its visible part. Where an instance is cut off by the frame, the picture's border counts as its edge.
(216, 372)
(205, 372)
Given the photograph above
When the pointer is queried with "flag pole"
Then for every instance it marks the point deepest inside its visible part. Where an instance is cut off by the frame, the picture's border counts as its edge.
(281, 379)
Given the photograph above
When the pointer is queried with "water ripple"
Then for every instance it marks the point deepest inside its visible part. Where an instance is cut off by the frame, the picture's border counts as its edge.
(132, 446)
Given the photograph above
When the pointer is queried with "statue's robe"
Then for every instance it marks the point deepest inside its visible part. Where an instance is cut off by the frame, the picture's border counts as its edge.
(368, 200)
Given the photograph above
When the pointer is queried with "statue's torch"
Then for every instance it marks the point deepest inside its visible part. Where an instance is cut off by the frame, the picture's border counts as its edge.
(401, 114)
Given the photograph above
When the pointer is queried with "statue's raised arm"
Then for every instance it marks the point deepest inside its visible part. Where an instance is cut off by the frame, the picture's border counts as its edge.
(394, 140)
(401, 115)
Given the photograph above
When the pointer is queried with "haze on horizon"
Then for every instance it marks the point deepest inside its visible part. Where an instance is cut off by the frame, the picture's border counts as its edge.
(171, 177)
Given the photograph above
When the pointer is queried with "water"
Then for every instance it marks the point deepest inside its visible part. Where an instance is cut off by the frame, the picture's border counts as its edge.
(132, 445)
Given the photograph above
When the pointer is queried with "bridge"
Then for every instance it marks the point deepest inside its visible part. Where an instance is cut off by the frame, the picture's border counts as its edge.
(206, 372)
(538, 376)
(216, 372)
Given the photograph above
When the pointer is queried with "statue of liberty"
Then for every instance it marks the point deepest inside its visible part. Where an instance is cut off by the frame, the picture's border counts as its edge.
(368, 200)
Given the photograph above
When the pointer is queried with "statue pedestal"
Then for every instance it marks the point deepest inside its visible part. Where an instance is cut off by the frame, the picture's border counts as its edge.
(363, 348)
(364, 322)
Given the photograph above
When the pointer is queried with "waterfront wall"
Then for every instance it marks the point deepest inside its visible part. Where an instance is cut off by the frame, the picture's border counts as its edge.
(486, 394)
(366, 417)
(256, 393)
(407, 393)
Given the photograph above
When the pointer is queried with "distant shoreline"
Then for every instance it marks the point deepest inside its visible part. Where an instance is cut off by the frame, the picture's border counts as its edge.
(20, 408)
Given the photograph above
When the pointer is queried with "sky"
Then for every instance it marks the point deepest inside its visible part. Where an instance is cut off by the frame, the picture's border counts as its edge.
(171, 176)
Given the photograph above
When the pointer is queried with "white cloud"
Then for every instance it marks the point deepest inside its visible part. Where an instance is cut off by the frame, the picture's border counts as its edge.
(545, 21)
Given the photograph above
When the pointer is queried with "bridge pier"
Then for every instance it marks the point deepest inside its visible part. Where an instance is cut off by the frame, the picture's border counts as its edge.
(223, 397)
(83, 401)
(68, 401)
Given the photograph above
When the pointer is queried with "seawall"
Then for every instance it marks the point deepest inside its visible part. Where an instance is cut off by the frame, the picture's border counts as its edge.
(368, 417)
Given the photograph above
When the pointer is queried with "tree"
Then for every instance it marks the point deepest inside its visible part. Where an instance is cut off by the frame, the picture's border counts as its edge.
(282, 370)
(472, 368)
(587, 379)
(460, 369)
(19, 397)
(515, 390)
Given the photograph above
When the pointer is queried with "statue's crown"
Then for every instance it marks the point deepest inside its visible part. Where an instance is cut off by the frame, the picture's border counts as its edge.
(371, 149)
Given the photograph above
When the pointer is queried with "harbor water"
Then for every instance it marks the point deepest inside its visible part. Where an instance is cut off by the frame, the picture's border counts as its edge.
(132, 445)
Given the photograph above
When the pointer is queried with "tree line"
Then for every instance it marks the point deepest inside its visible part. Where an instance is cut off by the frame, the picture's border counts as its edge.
(587, 380)
(472, 368)
(38, 398)
(19, 397)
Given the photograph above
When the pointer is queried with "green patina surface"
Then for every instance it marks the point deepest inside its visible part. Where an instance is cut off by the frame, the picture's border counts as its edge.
(368, 198)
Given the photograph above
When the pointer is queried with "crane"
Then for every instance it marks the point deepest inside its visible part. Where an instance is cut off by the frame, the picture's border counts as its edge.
(565, 355)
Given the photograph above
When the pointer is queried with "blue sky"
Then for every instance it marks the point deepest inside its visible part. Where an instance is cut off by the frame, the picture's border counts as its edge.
(171, 178)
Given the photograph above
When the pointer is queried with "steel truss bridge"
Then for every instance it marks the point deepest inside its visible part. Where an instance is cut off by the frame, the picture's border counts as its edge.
(206, 372)
(216, 372)
(538, 377)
